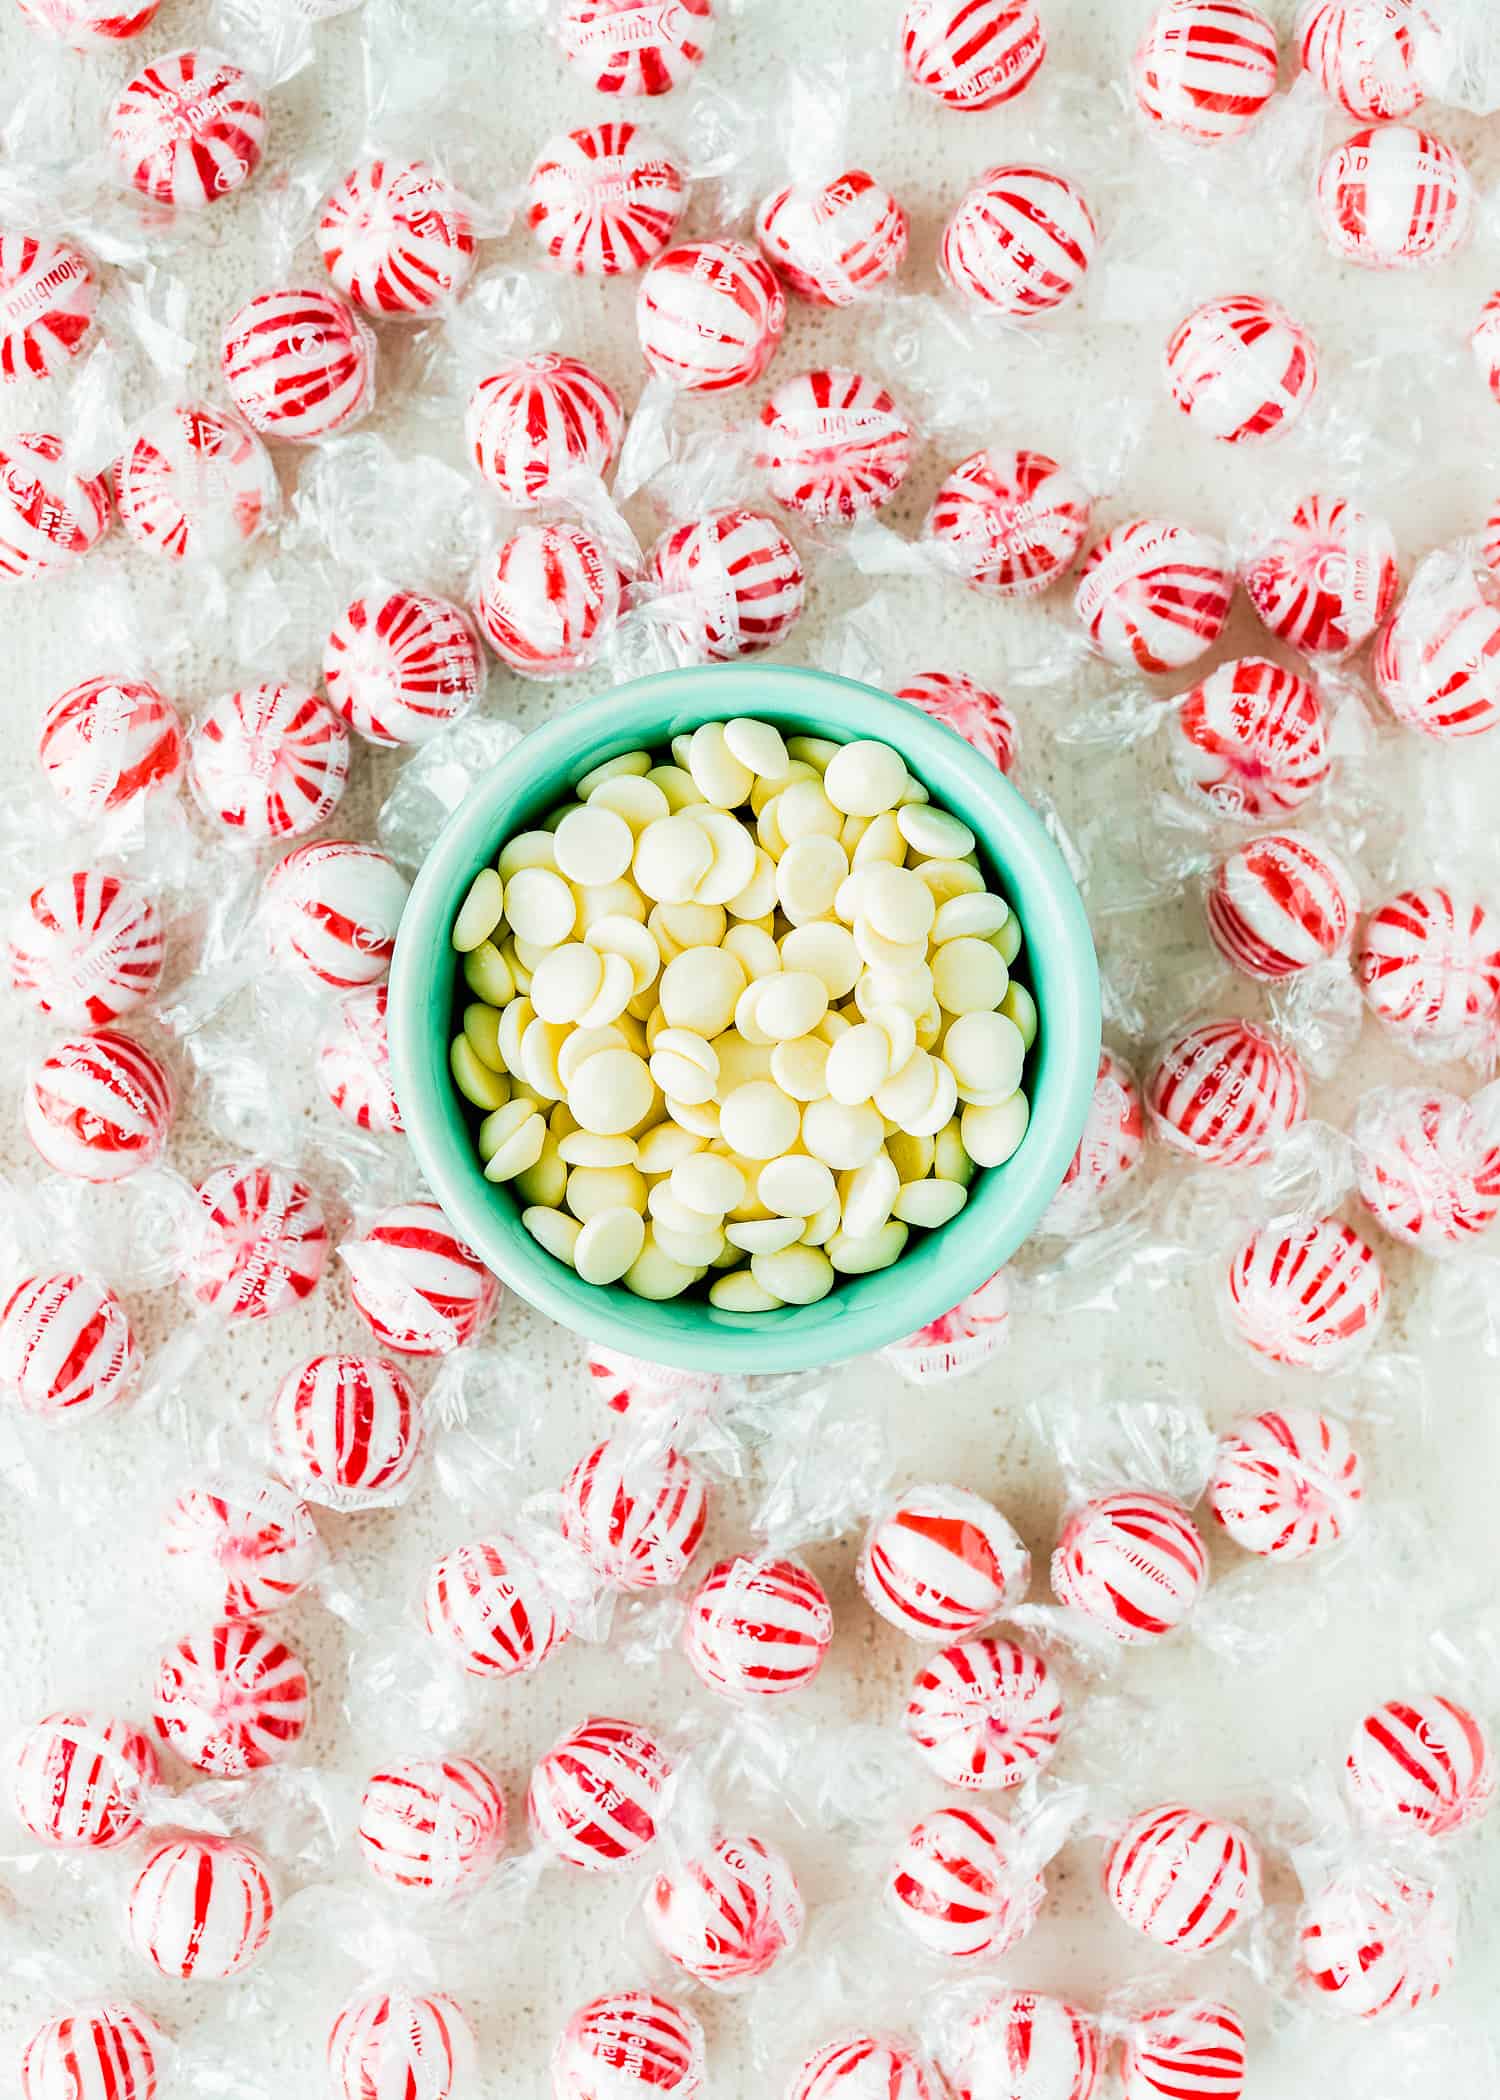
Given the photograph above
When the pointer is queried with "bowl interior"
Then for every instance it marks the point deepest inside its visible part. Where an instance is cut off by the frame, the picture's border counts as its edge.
(938, 1268)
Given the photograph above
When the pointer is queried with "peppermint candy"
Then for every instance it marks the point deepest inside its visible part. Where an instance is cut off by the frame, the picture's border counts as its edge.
(269, 762)
(189, 128)
(400, 665)
(1312, 1296)
(1241, 368)
(1132, 1564)
(346, 1431)
(66, 1347)
(1279, 905)
(627, 2046)
(834, 245)
(605, 200)
(634, 47)
(98, 2052)
(736, 583)
(48, 298)
(1370, 55)
(1375, 1941)
(1020, 2046)
(985, 1714)
(201, 1907)
(192, 483)
(1225, 1092)
(85, 948)
(942, 1563)
(257, 1242)
(1183, 1879)
(1110, 1150)
(1020, 243)
(758, 1629)
(637, 1519)
(980, 717)
(726, 1914)
(490, 1609)
(709, 315)
(1153, 596)
(396, 238)
(433, 1825)
(1426, 1167)
(864, 2067)
(625, 1382)
(1428, 963)
(538, 424)
(108, 743)
(246, 1542)
(1172, 2050)
(1423, 1765)
(98, 1107)
(1287, 1483)
(89, 25)
(972, 54)
(549, 599)
(231, 1699)
(1325, 578)
(299, 364)
(422, 1290)
(1392, 198)
(82, 1783)
(1008, 522)
(1437, 662)
(1484, 341)
(388, 2042)
(331, 910)
(354, 1062)
(957, 1888)
(1205, 69)
(959, 1340)
(49, 515)
(1250, 740)
(833, 445)
(595, 1797)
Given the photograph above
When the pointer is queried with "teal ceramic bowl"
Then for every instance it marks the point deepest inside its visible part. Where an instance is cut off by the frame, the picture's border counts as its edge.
(861, 1313)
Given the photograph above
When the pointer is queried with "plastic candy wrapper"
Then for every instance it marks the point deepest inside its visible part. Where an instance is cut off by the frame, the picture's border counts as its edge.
(967, 1885)
(725, 1915)
(979, 2031)
(960, 1340)
(1435, 662)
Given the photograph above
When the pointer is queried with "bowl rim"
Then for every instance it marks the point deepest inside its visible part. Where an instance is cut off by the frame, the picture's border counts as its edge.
(862, 1314)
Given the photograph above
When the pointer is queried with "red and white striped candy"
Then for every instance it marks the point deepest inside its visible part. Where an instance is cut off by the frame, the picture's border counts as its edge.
(972, 54)
(1225, 1092)
(194, 483)
(1020, 243)
(99, 1107)
(1153, 595)
(299, 364)
(423, 1291)
(1312, 1296)
(1184, 2052)
(1370, 55)
(393, 2045)
(246, 1542)
(630, 2045)
(736, 580)
(201, 1908)
(625, 1382)
(48, 296)
(49, 515)
(726, 1914)
(985, 1714)
(941, 1563)
(833, 444)
(1392, 198)
(1375, 1941)
(757, 1629)
(1020, 2046)
(634, 47)
(1205, 69)
(65, 1346)
(354, 1062)
(1287, 1483)
(257, 1242)
(956, 1887)
(837, 244)
(188, 129)
(1008, 522)
(85, 948)
(431, 1823)
(1437, 662)
(400, 665)
(99, 2052)
(1428, 963)
(535, 425)
(959, 1340)
(637, 1519)
(604, 200)
(396, 238)
(1241, 368)
(549, 599)
(1250, 740)
(1183, 1879)
(1110, 1150)
(1426, 1167)
(1279, 905)
(1325, 578)
(1132, 1563)
(490, 1609)
(1423, 1764)
(709, 315)
(346, 1431)
(231, 1699)
(1484, 341)
(331, 911)
(268, 762)
(107, 742)
(80, 1782)
(864, 2067)
(89, 25)
(981, 717)
(594, 1798)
